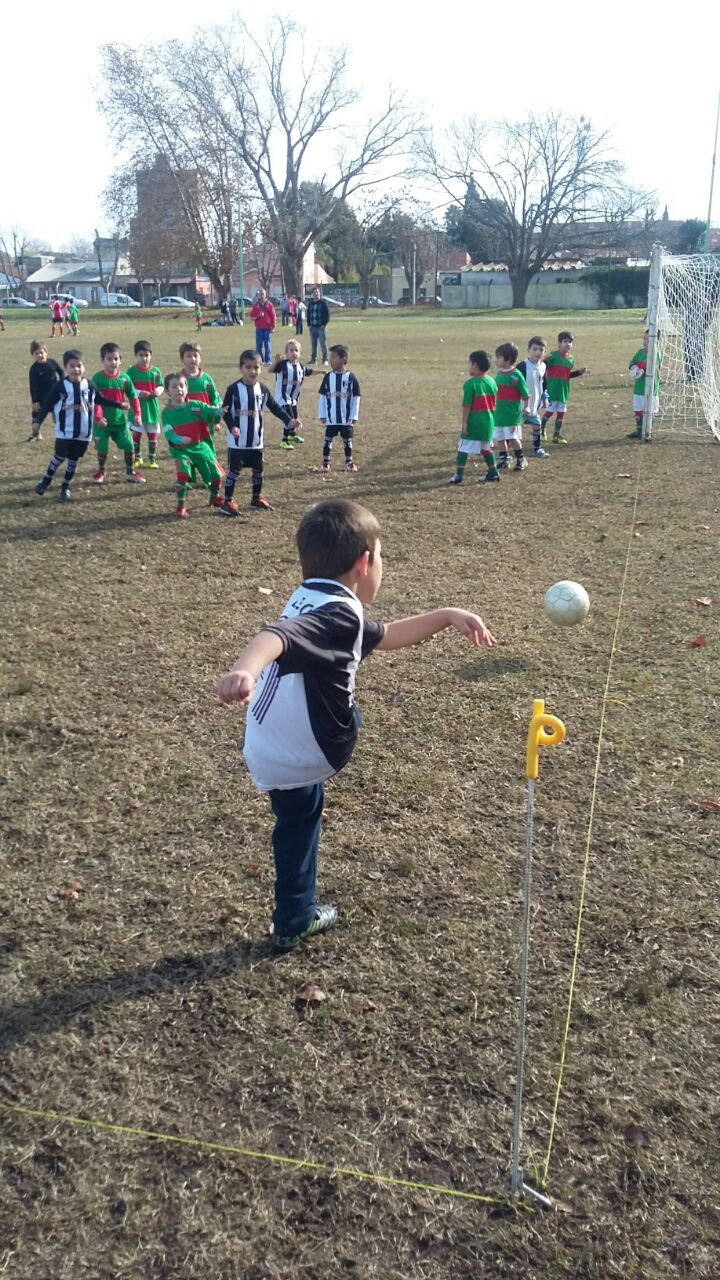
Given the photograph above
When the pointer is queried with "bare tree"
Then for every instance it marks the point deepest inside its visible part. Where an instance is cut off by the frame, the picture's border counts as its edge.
(374, 237)
(265, 113)
(534, 179)
(14, 250)
(414, 240)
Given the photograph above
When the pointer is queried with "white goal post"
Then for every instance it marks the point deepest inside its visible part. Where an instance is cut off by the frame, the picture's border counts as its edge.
(684, 344)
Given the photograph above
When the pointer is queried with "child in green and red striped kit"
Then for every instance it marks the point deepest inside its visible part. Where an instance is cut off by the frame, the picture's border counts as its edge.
(148, 382)
(512, 393)
(560, 369)
(478, 406)
(111, 424)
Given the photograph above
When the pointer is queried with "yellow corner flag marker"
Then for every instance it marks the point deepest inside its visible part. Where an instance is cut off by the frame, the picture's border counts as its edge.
(544, 731)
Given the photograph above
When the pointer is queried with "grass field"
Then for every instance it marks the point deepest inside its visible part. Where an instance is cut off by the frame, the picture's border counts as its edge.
(150, 1000)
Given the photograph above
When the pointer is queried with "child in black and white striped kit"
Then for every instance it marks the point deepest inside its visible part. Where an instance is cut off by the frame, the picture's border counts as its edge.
(339, 406)
(290, 373)
(243, 407)
(73, 400)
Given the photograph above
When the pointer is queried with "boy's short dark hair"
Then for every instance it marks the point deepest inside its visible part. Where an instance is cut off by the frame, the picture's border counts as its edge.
(108, 348)
(172, 377)
(247, 356)
(190, 346)
(72, 354)
(340, 350)
(537, 342)
(507, 351)
(565, 336)
(332, 536)
(142, 345)
(37, 345)
(481, 359)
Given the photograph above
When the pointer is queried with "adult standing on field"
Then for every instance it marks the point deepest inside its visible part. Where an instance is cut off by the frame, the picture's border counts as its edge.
(318, 318)
(262, 313)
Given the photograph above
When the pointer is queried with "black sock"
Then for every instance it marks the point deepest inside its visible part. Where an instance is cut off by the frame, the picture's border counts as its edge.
(518, 455)
(230, 479)
(257, 483)
(536, 437)
(327, 446)
(70, 470)
(53, 465)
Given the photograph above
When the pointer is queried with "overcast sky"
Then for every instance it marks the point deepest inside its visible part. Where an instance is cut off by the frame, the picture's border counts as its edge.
(650, 76)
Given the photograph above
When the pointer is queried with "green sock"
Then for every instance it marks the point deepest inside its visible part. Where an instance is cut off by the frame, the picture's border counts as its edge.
(460, 462)
(490, 460)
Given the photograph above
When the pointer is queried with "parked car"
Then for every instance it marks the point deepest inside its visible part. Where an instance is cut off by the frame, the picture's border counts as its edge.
(67, 297)
(15, 302)
(173, 302)
(333, 302)
(370, 301)
(119, 300)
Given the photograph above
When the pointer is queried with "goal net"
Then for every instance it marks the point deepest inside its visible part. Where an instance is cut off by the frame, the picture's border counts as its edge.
(684, 322)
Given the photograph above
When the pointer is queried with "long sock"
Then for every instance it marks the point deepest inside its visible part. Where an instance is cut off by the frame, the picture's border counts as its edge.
(181, 490)
(638, 421)
(519, 455)
(327, 446)
(137, 441)
(152, 446)
(287, 431)
(70, 470)
(230, 479)
(545, 420)
(502, 455)
(52, 467)
(489, 457)
(559, 419)
(215, 489)
(129, 461)
(257, 483)
(536, 437)
(460, 463)
(102, 460)
(348, 450)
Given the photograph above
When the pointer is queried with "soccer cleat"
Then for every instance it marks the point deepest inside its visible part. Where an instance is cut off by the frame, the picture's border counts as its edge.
(228, 508)
(216, 500)
(520, 464)
(350, 466)
(635, 435)
(181, 512)
(34, 435)
(153, 465)
(99, 477)
(456, 479)
(490, 477)
(296, 439)
(43, 484)
(261, 504)
(325, 467)
(138, 461)
(132, 477)
(540, 453)
(543, 436)
(65, 493)
(503, 463)
(559, 440)
(324, 919)
(285, 444)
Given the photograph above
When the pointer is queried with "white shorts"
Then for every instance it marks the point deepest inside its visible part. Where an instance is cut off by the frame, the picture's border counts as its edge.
(474, 446)
(508, 433)
(152, 428)
(639, 404)
(556, 406)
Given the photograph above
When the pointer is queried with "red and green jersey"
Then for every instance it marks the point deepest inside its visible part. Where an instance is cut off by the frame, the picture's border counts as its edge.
(512, 392)
(191, 420)
(479, 394)
(151, 381)
(119, 389)
(557, 377)
(639, 361)
(73, 313)
(202, 387)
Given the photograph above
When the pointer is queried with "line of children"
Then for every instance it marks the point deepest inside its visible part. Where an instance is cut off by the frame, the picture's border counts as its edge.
(187, 428)
(339, 406)
(244, 405)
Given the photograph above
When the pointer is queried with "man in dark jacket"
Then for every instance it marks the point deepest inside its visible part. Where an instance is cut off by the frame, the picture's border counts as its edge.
(318, 318)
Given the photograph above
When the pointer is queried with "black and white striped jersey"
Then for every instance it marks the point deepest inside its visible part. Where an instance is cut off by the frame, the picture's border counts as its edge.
(302, 722)
(73, 405)
(289, 378)
(339, 398)
(243, 409)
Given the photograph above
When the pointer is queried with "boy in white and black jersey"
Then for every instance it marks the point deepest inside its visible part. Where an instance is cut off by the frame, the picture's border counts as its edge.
(72, 400)
(244, 404)
(339, 406)
(533, 371)
(290, 373)
(298, 675)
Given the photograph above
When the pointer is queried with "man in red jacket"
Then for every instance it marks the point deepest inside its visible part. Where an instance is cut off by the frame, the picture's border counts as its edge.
(263, 315)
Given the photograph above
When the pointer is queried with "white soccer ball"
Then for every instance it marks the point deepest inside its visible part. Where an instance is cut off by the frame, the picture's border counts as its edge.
(566, 603)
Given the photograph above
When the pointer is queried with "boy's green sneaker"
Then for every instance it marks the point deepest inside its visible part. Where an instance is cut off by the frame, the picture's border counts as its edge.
(285, 444)
(324, 919)
(296, 439)
(559, 440)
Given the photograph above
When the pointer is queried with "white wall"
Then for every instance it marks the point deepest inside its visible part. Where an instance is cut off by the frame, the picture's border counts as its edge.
(482, 291)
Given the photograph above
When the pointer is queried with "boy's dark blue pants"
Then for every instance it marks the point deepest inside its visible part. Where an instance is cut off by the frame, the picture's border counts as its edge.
(295, 840)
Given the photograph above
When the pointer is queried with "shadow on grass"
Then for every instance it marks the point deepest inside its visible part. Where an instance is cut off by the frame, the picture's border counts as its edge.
(491, 667)
(78, 528)
(47, 1013)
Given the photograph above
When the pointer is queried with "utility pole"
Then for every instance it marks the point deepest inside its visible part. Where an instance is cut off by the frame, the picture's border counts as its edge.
(706, 247)
(414, 275)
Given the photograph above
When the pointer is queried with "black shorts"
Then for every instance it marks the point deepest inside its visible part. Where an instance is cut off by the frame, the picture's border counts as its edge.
(239, 458)
(72, 449)
(345, 431)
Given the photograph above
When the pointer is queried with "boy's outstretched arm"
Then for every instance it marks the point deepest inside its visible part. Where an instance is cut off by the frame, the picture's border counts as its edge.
(238, 684)
(409, 631)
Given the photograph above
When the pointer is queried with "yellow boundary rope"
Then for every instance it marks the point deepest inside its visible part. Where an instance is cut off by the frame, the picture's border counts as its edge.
(588, 840)
(206, 1145)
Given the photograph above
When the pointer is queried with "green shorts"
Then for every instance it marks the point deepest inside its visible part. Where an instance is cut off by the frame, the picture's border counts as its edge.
(120, 437)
